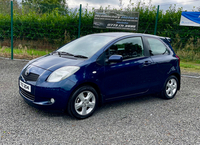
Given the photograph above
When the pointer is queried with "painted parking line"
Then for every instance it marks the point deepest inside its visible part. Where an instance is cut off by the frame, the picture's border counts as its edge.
(14, 59)
(188, 76)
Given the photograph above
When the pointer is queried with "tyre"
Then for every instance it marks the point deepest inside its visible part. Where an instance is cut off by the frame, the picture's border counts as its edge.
(170, 88)
(83, 102)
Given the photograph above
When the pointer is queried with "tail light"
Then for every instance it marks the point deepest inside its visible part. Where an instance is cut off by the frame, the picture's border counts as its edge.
(178, 60)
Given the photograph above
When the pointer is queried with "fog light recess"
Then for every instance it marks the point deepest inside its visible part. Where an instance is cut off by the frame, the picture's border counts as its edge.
(52, 100)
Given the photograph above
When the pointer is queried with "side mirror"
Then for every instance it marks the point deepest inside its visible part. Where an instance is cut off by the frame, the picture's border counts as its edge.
(115, 58)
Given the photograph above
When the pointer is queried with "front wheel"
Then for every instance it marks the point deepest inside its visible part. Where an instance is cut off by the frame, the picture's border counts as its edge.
(170, 88)
(83, 102)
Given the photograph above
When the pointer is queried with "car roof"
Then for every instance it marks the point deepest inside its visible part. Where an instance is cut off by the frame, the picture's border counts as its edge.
(121, 34)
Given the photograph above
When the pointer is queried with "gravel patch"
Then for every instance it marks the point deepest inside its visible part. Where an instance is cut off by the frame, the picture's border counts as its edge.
(142, 121)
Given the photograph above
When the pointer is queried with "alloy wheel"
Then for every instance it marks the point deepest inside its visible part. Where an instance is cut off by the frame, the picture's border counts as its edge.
(85, 103)
(171, 87)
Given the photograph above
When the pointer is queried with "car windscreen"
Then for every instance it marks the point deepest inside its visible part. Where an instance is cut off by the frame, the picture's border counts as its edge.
(86, 46)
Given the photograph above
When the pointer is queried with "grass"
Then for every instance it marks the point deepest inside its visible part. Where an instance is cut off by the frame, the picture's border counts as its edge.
(189, 56)
(22, 53)
(189, 52)
(189, 67)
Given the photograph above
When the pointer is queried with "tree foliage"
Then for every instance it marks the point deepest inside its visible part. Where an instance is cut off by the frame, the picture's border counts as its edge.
(5, 6)
(44, 6)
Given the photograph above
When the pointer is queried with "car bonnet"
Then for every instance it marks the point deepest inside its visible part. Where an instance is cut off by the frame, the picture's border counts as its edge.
(53, 62)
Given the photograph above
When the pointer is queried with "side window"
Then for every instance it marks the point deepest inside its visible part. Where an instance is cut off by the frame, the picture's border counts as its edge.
(128, 48)
(157, 47)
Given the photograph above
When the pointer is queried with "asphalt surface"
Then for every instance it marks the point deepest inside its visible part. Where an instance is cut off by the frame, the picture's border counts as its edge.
(146, 120)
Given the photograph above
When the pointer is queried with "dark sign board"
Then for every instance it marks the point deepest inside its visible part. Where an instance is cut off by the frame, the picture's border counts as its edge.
(113, 19)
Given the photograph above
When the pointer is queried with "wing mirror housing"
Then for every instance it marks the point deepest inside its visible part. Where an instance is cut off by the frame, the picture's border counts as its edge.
(115, 58)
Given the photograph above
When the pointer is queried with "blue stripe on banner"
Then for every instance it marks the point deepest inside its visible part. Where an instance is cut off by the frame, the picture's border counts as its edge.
(193, 16)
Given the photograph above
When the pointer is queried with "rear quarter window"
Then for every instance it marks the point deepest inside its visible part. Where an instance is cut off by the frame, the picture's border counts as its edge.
(157, 47)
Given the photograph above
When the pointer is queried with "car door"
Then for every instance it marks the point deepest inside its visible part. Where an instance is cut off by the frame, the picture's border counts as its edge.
(132, 76)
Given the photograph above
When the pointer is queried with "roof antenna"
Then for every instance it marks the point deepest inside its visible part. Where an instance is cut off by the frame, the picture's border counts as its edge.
(146, 28)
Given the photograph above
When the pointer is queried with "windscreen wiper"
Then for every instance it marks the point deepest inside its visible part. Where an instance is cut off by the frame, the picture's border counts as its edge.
(80, 56)
(62, 53)
(65, 53)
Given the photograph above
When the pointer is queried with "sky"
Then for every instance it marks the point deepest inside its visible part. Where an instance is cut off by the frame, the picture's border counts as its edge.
(164, 4)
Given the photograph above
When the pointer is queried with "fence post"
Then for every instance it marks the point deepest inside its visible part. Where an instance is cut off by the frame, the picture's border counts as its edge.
(11, 2)
(156, 21)
(79, 26)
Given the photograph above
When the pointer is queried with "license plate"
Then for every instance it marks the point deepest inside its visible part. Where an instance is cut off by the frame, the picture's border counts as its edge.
(25, 86)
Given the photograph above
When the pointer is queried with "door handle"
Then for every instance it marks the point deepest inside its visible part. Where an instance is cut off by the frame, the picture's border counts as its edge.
(146, 63)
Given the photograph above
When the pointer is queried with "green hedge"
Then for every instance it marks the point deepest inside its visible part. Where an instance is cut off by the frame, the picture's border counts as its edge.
(56, 28)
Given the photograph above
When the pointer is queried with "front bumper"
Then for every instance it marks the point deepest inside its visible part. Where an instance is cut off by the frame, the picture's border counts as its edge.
(42, 93)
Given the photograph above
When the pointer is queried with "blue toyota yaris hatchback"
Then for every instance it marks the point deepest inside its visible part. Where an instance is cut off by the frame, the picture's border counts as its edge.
(98, 68)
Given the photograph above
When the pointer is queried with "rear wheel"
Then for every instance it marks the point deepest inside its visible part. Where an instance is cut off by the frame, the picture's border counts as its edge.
(83, 102)
(170, 88)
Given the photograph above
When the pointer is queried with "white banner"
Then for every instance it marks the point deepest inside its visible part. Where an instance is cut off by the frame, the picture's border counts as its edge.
(190, 19)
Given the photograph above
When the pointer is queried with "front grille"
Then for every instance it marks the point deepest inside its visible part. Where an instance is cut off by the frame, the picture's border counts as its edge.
(27, 95)
(30, 76)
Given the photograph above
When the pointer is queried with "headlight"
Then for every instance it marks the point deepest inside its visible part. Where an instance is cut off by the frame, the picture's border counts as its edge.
(62, 73)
